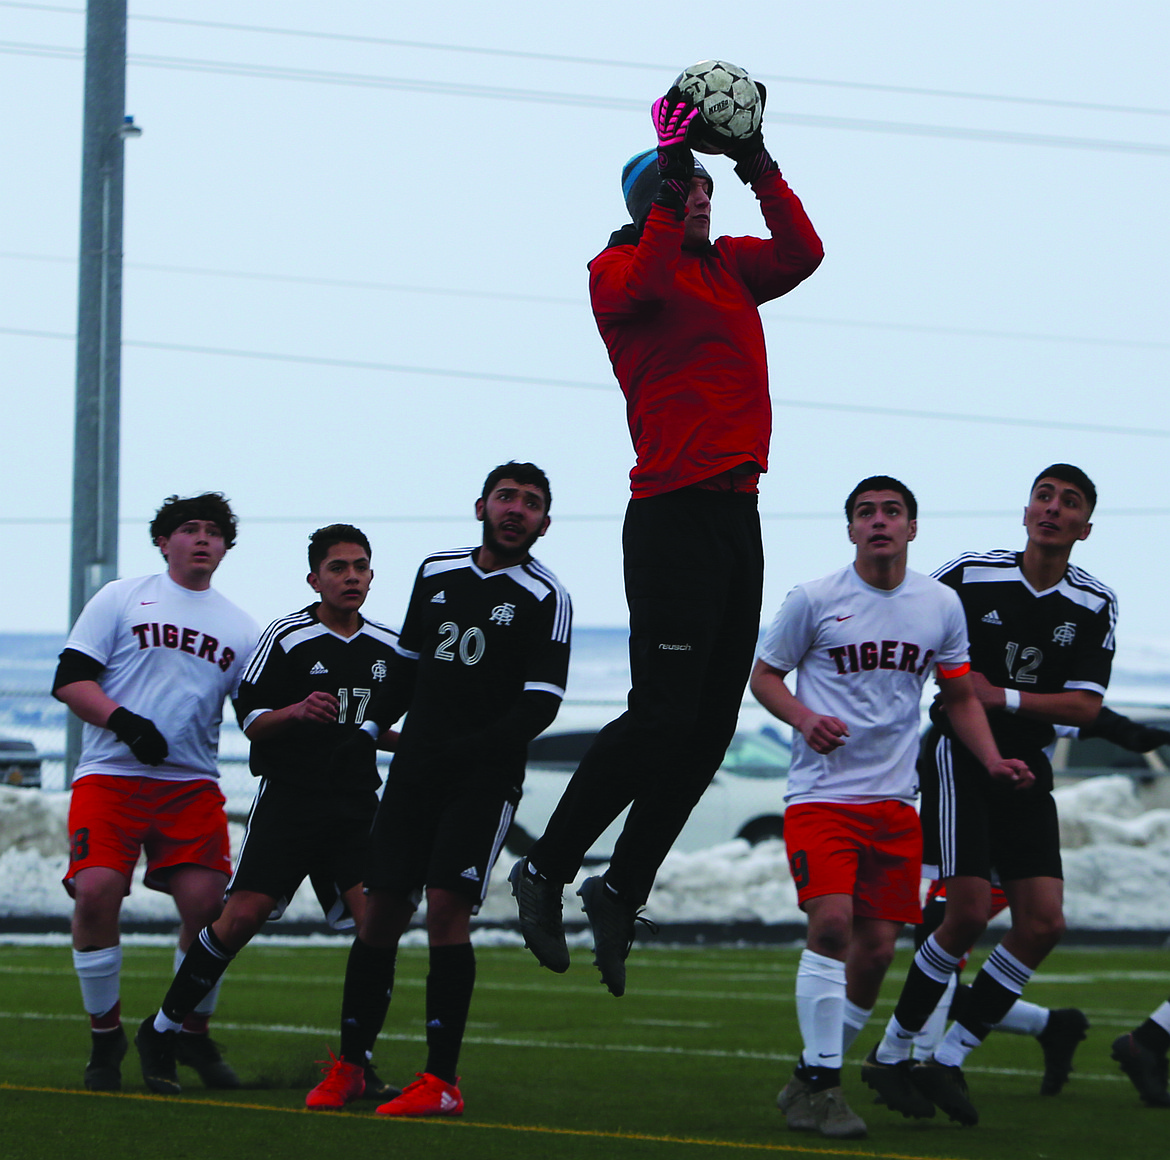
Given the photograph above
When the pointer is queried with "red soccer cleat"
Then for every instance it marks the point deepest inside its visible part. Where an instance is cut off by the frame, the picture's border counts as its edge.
(427, 1096)
(343, 1083)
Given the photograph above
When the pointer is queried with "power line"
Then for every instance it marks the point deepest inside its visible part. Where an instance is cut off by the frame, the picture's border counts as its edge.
(563, 518)
(597, 101)
(603, 62)
(576, 384)
(582, 302)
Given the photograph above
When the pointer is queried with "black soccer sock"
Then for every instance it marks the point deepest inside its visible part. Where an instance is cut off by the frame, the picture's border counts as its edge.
(999, 983)
(926, 983)
(369, 982)
(450, 982)
(203, 964)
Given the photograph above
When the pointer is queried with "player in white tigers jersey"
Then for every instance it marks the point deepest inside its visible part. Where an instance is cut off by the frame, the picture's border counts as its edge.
(862, 642)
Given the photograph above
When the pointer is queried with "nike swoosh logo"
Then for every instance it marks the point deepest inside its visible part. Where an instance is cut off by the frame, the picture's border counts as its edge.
(849, 617)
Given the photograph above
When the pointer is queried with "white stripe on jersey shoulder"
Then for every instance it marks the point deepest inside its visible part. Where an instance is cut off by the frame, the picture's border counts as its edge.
(544, 687)
(275, 632)
(1082, 587)
(379, 631)
(447, 561)
(564, 608)
(999, 564)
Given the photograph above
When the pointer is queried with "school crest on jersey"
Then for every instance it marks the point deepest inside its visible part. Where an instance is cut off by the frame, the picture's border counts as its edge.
(503, 614)
(1065, 634)
(378, 670)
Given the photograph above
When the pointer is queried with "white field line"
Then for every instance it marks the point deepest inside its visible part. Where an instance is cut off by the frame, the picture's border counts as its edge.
(329, 1034)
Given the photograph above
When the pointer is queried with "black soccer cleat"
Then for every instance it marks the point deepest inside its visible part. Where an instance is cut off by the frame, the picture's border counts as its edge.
(156, 1050)
(203, 1054)
(946, 1087)
(1147, 1070)
(612, 921)
(377, 1088)
(894, 1087)
(1066, 1027)
(103, 1073)
(539, 902)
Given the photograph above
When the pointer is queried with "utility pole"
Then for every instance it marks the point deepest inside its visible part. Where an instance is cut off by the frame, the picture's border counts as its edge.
(99, 319)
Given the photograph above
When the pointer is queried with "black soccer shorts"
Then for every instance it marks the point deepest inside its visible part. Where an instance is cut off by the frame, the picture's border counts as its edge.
(974, 826)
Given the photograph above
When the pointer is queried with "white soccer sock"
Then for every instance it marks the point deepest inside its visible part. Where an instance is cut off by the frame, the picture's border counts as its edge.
(1162, 1016)
(820, 1008)
(1024, 1018)
(98, 972)
(855, 1020)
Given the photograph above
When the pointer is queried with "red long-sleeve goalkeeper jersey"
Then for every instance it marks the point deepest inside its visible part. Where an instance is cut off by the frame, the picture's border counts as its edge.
(686, 342)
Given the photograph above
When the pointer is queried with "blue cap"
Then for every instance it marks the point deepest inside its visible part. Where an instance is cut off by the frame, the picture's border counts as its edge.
(640, 182)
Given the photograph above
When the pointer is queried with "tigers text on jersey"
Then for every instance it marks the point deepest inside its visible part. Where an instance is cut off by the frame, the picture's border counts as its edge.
(297, 655)
(480, 640)
(1037, 642)
(862, 654)
(169, 654)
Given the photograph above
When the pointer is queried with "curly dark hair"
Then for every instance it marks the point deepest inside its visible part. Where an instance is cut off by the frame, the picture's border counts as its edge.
(177, 510)
(324, 538)
(527, 473)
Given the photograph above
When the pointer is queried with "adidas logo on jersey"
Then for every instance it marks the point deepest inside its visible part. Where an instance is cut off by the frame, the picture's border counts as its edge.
(439, 598)
(318, 670)
(992, 618)
(472, 873)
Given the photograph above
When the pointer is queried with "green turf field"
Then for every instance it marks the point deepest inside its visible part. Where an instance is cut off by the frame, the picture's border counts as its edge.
(686, 1065)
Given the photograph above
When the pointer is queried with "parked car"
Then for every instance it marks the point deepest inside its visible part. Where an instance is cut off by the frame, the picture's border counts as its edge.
(1074, 758)
(20, 764)
(745, 799)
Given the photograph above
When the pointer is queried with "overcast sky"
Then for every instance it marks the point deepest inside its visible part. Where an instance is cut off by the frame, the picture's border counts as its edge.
(355, 244)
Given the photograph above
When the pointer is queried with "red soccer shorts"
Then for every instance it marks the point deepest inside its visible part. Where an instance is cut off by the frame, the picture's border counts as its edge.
(869, 850)
(176, 823)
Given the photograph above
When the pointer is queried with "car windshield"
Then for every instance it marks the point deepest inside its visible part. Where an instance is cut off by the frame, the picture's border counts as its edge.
(757, 755)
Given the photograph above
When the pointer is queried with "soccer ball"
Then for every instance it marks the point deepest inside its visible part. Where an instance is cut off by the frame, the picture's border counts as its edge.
(728, 102)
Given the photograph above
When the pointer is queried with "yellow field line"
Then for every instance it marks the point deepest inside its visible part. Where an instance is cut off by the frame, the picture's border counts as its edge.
(801, 1149)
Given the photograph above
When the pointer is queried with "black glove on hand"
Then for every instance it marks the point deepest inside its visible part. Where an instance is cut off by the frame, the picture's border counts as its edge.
(1126, 732)
(139, 734)
(751, 157)
(673, 116)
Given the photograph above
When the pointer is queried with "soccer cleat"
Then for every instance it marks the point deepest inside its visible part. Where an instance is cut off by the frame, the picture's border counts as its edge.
(946, 1087)
(834, 1118)
(1066, 1027)
(156, 1051)
(894, 1087)
(203, 1054)
(103, 1073)
(427, 1096)
(793, 1101)
(539, 902)
(1147, 1071)
(612, 921)
(343, 1083)
(376, 1087)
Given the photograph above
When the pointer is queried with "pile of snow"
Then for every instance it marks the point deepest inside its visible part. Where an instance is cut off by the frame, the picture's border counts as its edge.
(1116, 865)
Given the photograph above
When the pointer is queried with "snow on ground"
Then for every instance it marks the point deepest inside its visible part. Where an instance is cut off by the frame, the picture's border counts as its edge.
(1116, 862)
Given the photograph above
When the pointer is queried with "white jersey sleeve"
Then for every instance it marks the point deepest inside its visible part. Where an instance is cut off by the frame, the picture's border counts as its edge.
(790, 634)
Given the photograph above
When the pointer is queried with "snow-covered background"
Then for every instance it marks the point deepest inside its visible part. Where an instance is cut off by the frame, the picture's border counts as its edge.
(1116, 862)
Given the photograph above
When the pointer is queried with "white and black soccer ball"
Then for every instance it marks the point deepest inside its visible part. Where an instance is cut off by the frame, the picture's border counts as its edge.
(728, 102)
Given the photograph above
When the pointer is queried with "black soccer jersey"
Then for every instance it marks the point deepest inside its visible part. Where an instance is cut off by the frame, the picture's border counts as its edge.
(1037, 642)
(473, 643)
(297, 655)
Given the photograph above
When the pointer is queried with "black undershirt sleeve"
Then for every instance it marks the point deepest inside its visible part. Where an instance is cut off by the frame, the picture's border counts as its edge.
(73, 666)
